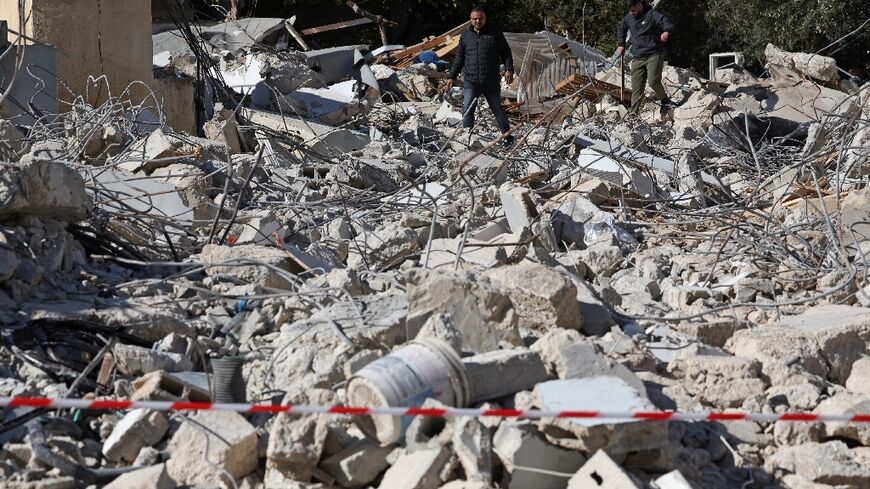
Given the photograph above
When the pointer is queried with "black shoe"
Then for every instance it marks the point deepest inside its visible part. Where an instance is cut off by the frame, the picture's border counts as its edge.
(508, 141)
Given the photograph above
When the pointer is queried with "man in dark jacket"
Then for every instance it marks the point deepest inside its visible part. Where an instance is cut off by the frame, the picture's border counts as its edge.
(479, 50)
(650, 30)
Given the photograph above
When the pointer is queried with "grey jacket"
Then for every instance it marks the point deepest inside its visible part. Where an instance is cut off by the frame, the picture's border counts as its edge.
(479, 53)
(646, 31)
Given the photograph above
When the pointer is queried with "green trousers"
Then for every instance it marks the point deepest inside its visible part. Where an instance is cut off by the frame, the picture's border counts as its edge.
(645, 70)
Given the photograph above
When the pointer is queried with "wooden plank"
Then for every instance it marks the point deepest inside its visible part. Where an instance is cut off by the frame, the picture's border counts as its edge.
(336, 26)
(416, 49)
(448, 48)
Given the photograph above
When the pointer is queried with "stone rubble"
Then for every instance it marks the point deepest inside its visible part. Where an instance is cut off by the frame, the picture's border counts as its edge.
(710, 260)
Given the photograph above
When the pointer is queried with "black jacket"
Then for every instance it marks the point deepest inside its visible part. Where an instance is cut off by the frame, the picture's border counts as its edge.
(479, 54)
(646, 31)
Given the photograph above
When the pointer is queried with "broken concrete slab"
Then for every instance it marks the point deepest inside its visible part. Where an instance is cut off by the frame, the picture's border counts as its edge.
(295, 446)
(601, 471)
(721, 381)
(137, 360)
(43, 189)
(261, 265)
(859, 378)
(358, 464)
(812, 65)
(543, 297)
(825, 463)
(472, 443)
(418, 470)
(483, 314)
(212, 439)
(499, 373)
(520, 445)
(154, 477)
(137, 429)
(590, 435)
(846, 403)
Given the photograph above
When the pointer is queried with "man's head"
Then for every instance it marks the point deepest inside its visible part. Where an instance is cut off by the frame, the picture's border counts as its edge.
(635, 7)
(478, 18)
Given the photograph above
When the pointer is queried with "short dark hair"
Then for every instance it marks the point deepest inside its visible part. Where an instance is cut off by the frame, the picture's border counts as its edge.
(632, 3)
(478, 8)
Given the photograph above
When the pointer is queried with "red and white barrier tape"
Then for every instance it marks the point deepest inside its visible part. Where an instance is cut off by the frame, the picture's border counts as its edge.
(111, 405)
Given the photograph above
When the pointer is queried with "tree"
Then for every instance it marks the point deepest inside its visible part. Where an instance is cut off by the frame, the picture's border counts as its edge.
(794, 25)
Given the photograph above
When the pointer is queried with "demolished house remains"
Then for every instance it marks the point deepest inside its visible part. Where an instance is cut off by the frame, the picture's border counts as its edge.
(249, 217)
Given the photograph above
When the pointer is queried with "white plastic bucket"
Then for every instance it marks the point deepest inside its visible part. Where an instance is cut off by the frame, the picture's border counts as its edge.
(424, 369)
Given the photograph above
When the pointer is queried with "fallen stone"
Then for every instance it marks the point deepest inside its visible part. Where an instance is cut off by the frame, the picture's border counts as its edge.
(499, 373)
(672, 480)
(219, 438)
(442, 327)
(847, 403)
(825, 341)
(358, 464)
(137, 429)
(146, 155)
(520, 445)
(601, 471)
(859, 378)
(163, 386)
(812, 65)
(137, 360)
(484, 316)
(698, 110)
(418, 470)
(154, 477)
(543, 297)
(244, 257)
(142, 321)
(43, 189)
(519, 208)
(569, 356)
(602, 393)
(295, 446)
(830, 463)
(721, 381)
(193, 186)
(386, 247)
(472, 443)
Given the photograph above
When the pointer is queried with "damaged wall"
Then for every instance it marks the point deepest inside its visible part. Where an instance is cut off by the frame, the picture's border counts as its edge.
(93, 37)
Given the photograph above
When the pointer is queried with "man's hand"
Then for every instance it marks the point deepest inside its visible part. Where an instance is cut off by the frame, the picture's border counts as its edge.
(620, 50)
(450, 83)
(509, 77)
(665, 36)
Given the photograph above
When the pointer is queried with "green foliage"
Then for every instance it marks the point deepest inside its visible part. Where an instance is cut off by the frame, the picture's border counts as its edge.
(793, 25)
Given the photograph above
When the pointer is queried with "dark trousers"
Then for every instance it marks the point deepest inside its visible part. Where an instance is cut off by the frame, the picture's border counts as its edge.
(492, 94)
(643, 71)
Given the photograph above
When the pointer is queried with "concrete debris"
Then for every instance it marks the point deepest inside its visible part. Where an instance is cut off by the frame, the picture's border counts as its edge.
(602, 471)
(211, 447)
(821, 68)
(137, 429)
(521, 446)
(223, 216)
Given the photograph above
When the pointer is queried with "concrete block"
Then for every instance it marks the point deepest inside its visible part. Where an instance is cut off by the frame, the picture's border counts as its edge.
(602, 393)
(358, 464)
(472, 443)
(418, 470)
(672, 480)
(602, 472)
(212, 438)
(520, 445)
(502, 372)
(148, 478)
(137, 429)
(543, 297)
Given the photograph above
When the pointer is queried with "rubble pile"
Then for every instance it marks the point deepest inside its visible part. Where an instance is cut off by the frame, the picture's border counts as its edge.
(336, 239)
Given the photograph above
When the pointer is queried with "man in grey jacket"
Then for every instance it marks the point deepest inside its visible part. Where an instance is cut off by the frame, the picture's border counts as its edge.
(650, 30)
(478, 53)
